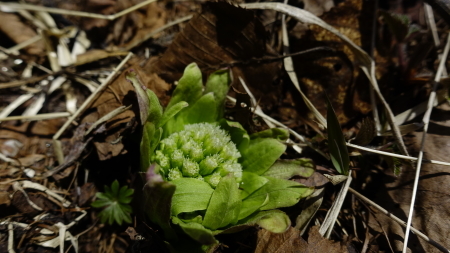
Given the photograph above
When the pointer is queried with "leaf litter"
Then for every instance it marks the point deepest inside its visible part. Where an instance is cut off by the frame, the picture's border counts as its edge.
(248, 52)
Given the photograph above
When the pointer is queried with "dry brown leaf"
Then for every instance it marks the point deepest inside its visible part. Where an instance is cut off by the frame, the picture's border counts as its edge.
(120, 92)
(290, 242)
(19, 32)
(432, 206)
(223, 35)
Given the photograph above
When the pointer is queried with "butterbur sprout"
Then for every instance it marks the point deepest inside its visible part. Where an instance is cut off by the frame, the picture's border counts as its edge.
(189, 157)
(214, 176)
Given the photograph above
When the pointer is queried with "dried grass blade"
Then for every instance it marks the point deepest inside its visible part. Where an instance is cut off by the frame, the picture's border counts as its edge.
(426, 121)
(11, 107)
(363, 59)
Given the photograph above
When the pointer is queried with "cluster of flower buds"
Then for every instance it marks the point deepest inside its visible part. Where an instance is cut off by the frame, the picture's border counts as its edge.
(203, 151)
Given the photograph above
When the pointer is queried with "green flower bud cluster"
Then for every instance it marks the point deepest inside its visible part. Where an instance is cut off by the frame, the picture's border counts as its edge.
(203, 151)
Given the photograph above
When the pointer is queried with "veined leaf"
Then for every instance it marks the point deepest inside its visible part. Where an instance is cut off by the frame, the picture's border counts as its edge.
(189, 88)
(191, 195)
(260, 154)
(219, 83)
(224, 206)
(204, 110)
(282, 193)
(250, 183)
(285, 169)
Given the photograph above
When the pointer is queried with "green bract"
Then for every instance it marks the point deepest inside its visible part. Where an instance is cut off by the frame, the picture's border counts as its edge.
(206, 175)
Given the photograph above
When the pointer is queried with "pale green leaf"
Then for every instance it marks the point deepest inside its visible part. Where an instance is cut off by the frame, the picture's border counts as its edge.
(224, 206)
(191, 195)
(251, 182)
(189, 88)
(251, 205)
(285, 169)
(219, 83)
(261, 154)
(204, 110)
(282, 193)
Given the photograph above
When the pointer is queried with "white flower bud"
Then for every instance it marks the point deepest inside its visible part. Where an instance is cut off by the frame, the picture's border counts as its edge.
(213, 179)
(174, 174)
(190, 168)
(177, 158)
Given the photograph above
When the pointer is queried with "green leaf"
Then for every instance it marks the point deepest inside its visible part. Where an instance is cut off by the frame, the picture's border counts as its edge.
(237, 133)
(261, 154)
(172, 111)
(336, 142)
(150, 140)
(282, 193)
(275, 133)
(169, 121)
(158, 201)
(225, 204)
(249, 206)
(219, 83)
(115, 203)
(155, 110)
(196, 231)
(204, 110)
(143, 99)
(191, 195)
(250, 183)
(189, 88)
(273, 220)
(285, 169)
(145, 156)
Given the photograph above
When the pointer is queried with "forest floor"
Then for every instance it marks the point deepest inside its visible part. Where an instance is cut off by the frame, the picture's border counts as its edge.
(69, 118)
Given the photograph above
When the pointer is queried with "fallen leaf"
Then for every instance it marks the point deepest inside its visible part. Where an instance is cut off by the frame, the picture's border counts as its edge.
(19, 32)
(432, 204)
(223, 35)
(121, 92)
(290, 241)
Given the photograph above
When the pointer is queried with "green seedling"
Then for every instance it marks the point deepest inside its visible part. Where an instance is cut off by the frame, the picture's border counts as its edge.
(115, 203)
(206, 175)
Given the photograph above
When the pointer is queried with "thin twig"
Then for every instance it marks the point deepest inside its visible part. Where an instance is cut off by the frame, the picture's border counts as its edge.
(88, 101)
(426, 121)
(396, 155)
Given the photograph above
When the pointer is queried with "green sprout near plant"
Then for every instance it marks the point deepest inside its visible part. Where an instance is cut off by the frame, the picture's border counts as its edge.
(115, 202)
(206, 175)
